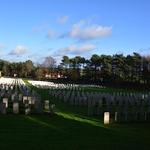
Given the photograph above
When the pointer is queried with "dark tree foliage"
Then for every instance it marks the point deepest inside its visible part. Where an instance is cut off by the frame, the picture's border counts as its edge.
(113, 70)
(118, 70)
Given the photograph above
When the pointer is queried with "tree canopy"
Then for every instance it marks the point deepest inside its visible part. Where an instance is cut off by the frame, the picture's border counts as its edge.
(99, 69)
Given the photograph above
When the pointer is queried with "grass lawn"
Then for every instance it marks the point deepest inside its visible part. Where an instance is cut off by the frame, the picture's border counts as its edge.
(68, 132)
(69, 129)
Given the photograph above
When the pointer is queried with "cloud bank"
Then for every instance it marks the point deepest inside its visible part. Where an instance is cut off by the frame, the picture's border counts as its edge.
(19, 50)
(85, 31)
(76, 49)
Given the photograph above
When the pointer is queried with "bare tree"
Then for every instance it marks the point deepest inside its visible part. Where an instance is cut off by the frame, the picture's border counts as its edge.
(49, 62)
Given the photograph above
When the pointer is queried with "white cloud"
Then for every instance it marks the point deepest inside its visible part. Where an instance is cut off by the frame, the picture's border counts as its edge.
(63, 19)
(84, 30)
(89, 32)
(19, 50)
(76, 49)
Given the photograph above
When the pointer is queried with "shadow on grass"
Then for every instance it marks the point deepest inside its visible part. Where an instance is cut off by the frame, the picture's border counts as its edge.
(67, 132)
(42, 123)
(81, 119)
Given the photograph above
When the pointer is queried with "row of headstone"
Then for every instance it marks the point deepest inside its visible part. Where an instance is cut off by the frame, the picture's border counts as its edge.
(101, 98)
(110, 117)
(15, 94)
(48, 107)
(49, 85)
(128, 106)
(29, 103)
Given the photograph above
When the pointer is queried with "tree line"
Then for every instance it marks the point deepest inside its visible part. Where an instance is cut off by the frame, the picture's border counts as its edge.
(118, 70)
(28, 69)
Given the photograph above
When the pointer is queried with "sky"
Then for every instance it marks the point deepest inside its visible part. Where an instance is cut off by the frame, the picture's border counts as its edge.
(35, 29)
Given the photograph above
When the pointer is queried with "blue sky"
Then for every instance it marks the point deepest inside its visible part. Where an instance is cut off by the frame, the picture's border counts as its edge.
(34, 29)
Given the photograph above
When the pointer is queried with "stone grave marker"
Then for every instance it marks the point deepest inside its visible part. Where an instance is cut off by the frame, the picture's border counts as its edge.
(30, 99)
(46, 105)
(3, 108)
(20, 97)
(13, 97)
(106, 117)
(27, 110)
(5, 100)
(16, 108)
(25, 98)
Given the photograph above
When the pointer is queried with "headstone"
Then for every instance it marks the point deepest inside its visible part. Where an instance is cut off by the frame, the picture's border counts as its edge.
(15, 107)
(33, 100)
(52, 109)
(25, 98)
(3, 108)
(11, 87)
(106, 117)
(27, 110)
(20, 97)
(30, 99)
(116, 116)
(38, 106)
(13, 97)
(5, 100)
(46, 105)
(7, 87)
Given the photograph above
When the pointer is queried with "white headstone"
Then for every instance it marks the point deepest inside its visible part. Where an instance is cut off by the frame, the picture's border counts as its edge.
(12, 97)
(106, 117)
(5, 100)
(15, 108)
(20, 97)
(25, 98)
(30, 99)
(46, 105)
(27, 111)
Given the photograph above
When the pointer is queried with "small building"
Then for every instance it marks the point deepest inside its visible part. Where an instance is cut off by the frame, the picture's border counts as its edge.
(54, 75)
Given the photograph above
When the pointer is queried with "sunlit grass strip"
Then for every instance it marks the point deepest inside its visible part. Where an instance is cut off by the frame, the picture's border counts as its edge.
(38, 121)
(77, 118)
(41, 123)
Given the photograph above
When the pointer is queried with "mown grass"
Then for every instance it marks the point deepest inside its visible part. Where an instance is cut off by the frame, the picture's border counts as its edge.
(112, 90)
(65, 132)
(69, 129)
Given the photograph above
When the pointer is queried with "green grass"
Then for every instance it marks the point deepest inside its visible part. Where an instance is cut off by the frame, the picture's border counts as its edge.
(111, 90)
(66, 132)
(69, 129)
